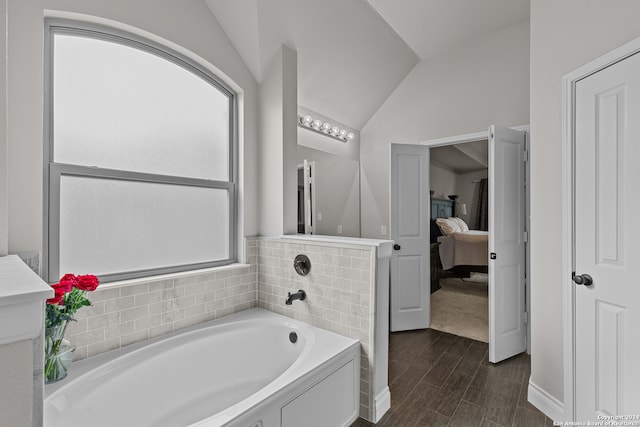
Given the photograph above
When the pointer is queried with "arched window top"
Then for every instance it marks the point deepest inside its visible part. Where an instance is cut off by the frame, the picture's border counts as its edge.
(121, 106)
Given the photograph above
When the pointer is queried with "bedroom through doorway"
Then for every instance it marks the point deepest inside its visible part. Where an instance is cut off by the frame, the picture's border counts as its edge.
(459, 228)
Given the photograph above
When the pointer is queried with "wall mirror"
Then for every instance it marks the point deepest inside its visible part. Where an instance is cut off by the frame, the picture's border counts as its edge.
(328, 193)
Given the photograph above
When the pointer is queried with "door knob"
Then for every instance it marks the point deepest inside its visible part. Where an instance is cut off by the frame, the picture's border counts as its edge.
(396, 247)
(583, 279)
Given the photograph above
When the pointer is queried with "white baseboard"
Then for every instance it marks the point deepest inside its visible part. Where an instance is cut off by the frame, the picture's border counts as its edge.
(549, 405)
(382, 404)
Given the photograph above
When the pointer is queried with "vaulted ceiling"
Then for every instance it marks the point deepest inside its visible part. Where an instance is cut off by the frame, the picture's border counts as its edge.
(352, 54)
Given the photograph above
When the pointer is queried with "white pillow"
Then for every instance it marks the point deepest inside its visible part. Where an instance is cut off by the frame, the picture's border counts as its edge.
(447, 226)
(461, 224)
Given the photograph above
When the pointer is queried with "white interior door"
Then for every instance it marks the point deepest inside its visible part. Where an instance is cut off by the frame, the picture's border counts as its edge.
(507, 327)
(606, 180)
(410, 281)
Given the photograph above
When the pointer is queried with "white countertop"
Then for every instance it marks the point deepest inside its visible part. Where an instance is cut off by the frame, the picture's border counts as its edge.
(18, 282)
(22, 294)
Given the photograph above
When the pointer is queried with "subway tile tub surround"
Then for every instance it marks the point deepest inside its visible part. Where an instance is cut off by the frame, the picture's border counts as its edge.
(346, 287)
(347, 293)
(137, 310)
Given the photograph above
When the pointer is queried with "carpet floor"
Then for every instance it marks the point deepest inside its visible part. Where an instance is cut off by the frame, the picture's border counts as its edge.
(461, 307)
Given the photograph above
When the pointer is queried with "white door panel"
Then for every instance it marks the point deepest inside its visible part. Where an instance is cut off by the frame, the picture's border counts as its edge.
(507, 329)
(607, 177)
(410, 282)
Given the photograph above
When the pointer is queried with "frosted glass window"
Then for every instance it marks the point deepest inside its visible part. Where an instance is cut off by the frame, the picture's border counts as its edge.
(111, 226)
(120, 107)
(140, 156)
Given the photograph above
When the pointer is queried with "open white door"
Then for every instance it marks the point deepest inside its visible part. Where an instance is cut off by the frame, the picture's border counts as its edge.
(409, 221)
(507, 327)
(606, 252)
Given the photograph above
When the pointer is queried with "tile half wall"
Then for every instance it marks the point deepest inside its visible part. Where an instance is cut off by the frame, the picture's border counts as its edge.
(340, 293)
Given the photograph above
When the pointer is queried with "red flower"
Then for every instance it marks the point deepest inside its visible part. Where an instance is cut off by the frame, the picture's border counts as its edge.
(69, 281)
(87, 282)
(59, 291)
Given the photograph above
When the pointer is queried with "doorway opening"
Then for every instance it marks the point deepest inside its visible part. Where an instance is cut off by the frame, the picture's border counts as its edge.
(410, 296)
(458, 178)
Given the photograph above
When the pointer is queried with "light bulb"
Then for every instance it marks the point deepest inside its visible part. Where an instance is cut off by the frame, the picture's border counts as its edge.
(326, 127)
(335, 131)
(317, 124)
(350, 136)
(306, 120)
(343, 133)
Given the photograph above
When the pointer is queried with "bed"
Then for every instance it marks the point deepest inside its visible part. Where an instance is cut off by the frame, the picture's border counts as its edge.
(468, 249)
(460, 250)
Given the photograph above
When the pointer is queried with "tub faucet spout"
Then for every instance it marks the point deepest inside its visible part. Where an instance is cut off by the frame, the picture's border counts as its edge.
(301, 295)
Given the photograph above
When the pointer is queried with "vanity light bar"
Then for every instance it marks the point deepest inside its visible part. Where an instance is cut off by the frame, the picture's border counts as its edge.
(325, 128)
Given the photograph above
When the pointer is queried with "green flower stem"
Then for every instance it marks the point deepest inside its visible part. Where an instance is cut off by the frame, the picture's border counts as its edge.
(55, 367)
(60, 313)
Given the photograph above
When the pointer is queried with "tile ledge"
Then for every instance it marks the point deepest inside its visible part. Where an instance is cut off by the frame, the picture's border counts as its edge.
(139, 280)
(384, 246)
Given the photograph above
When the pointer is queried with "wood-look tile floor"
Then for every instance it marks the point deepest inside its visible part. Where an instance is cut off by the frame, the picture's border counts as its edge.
(439, 379)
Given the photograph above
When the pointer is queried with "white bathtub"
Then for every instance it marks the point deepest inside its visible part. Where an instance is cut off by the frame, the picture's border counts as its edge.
(240, 370)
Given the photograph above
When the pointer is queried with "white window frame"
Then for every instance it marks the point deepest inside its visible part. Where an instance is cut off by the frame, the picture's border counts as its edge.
(54, 171)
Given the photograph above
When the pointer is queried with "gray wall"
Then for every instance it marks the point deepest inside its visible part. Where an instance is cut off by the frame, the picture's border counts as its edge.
(564, 36)
(277, 182)
(468, 193)
(463, 91)
(4, 183)
(442, 181)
